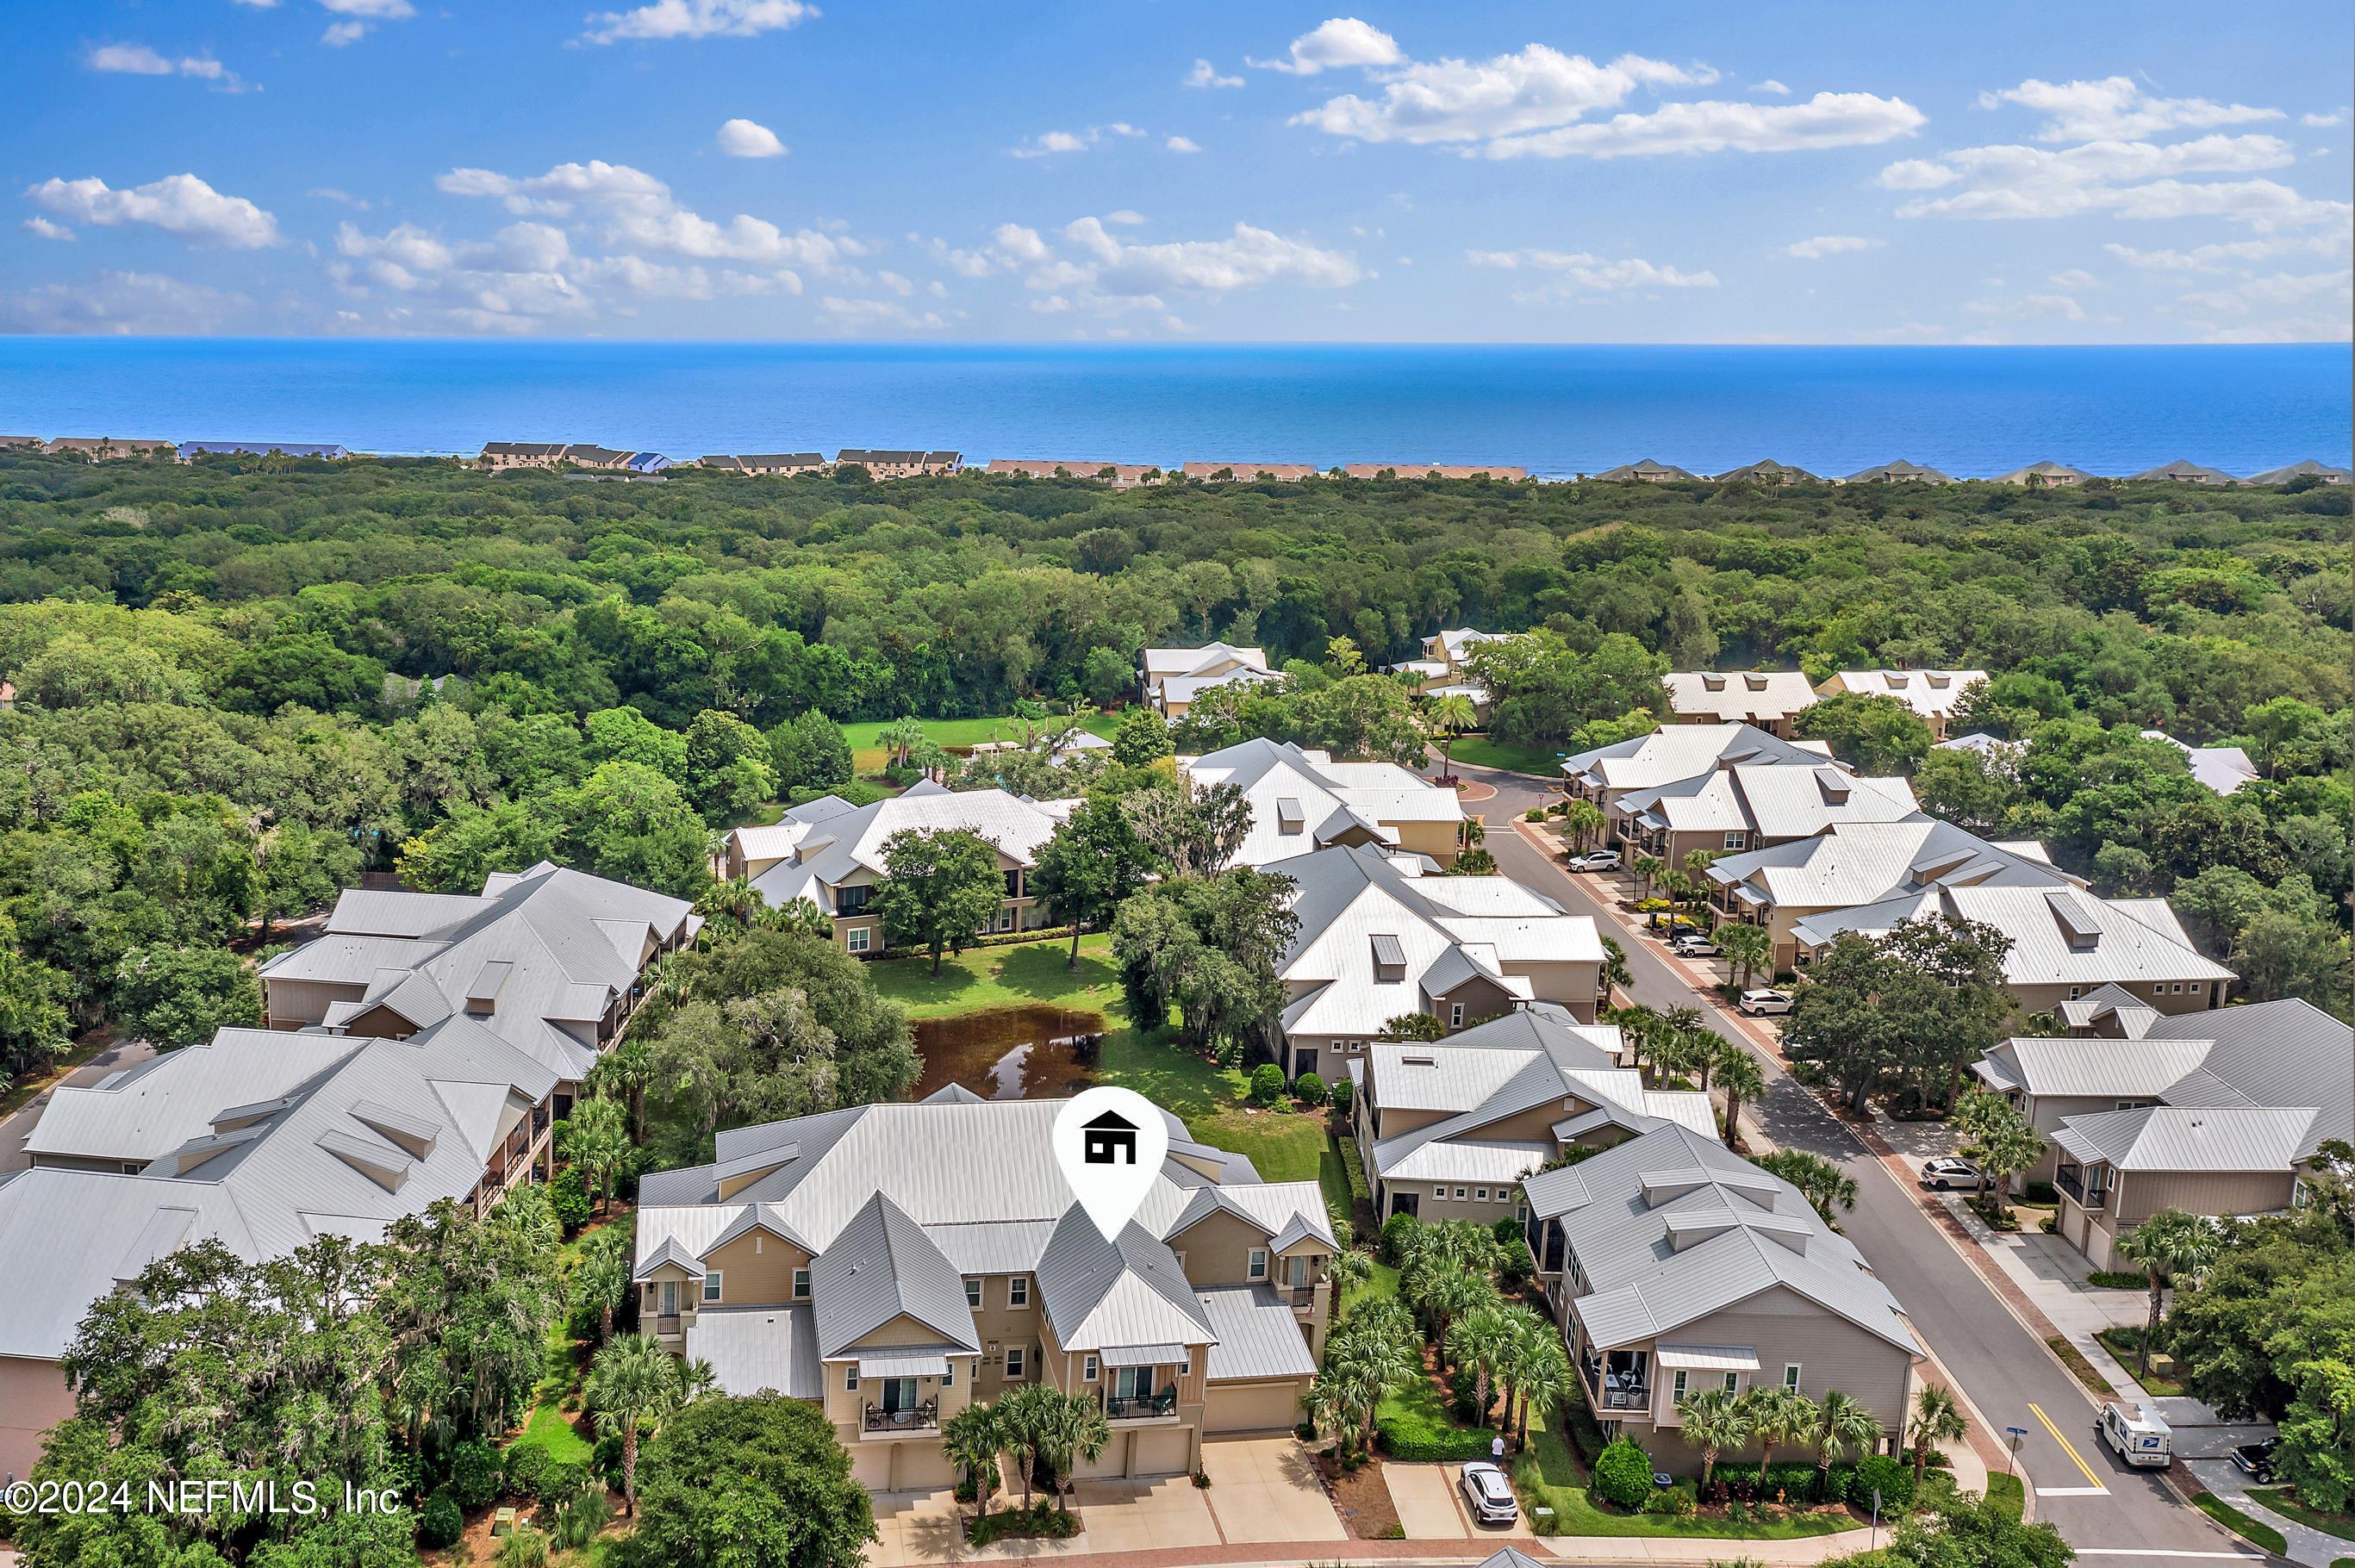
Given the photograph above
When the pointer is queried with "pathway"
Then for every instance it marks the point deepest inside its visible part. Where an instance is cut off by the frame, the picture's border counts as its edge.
(2308, 1546)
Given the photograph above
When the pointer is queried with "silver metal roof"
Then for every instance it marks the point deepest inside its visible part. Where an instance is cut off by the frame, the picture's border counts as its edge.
(881, 1266)
(754, 1349)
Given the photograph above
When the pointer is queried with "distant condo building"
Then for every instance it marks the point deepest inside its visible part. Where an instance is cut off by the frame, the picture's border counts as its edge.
(1768, 699)
(1769, 471)
(1119, 475)
(1933, 693)
(555, 454)
(109, 448)
(882, 465)
(1248, 472)
(1646, 472)
(2051, 475)
(1174, 678)
(2309, 468)
(1500, 471)
(2183, 471)
(190, 451)
(1897, 472)
(767, 464)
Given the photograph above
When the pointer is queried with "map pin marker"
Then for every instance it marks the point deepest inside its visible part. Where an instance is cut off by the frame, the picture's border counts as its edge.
(1110, 1143)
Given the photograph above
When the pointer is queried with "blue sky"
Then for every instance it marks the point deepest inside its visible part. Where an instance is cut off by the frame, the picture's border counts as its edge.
(1830, 173)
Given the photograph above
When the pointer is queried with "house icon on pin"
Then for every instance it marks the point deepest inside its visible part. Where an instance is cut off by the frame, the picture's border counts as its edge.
(1109, 1139)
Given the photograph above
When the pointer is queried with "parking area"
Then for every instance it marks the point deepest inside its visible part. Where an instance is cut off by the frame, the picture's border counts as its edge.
(1266, 1489)
(1424, 1496)
(1139, 1516)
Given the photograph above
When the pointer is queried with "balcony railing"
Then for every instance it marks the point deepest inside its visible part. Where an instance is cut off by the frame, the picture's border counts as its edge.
(667, 1323)
(1141, 1406)
(925, 1417)
(1615, 1390)
(2071, 1180)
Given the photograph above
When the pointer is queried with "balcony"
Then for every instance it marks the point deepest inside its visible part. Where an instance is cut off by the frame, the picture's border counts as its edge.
(1620, 1391)
(881, 1423)
(2071, 1180)
(666, 1325)
(1162, 1406)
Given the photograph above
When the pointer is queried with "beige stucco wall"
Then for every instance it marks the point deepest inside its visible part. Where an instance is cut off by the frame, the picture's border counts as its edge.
(33, 1398)
(2139, 1194)
(757, 1270)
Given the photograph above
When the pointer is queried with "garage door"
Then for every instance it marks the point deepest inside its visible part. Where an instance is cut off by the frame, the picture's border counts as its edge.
(922, 1467)
(1161, 1451)
(1253, 1407)
(870, 1466)
(1112, 1463)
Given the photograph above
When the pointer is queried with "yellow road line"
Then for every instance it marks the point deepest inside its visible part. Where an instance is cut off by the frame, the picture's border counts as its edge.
(2066, 1447)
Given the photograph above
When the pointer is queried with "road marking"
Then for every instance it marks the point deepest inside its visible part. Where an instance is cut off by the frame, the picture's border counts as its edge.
(2067, 1447)
(2072, 1491)
(2154, 1551)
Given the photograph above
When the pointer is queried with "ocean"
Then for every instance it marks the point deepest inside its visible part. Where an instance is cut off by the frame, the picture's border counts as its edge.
(1557, 410)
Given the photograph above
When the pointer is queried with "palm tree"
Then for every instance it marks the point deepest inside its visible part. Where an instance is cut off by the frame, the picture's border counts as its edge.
(1843, 1425)
(1347, 1269)
(1776, 1414)
(1937, 1418)
(1544, 1378)
(1615, 976)
(1528, 1335)
(1025, 1418)
(1070, 1428)
(1824, 1185)
(900, 737)
(1480, 1341)
(1749, 948)
(1676, 884)
(1645, 868)
(1449, 716)
(1714, 1421)
(1697, 863)
(633, 1385)
(1743, 1080)
(971, 1439)
(1365, 1365)
(1584, 820)
(1445, 1291)
(2169, 1244)
(1807, 1421)
(603, 1276)
(1638, 1025)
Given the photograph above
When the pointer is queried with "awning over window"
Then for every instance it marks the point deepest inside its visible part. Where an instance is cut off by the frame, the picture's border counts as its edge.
(1141, 1355)
(918, 1365)
(1709, 1357)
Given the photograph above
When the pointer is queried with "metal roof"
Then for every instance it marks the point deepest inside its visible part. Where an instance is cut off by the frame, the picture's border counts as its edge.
(754, 1349)
(2191, 1138)
(1257, 1337)
(881, 1266)
(1099, 1293)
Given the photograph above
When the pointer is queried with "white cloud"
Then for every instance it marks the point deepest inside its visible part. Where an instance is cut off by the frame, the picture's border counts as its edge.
(125, 303)
(2250, 294)
(638, 213)
(1342, 41)
(698, 20)
(1205, 74)
(853, 315)
(1183, 144)
(1123, 215)
(1020, 243)
(783, 281)
(1824, 245)
(2074, 278)
(523, 275)
(2132, 179)
(177, 204)
(342, 197)
(1771, 85)
(2028, 307)
(2228, 256)
(1465, 100)
(2321, 121)
(42, 229)
(750, 139)
(1827, 120)
(1248, 257)
(360, 15)
(138, 59)
(1583, 270)
(1049, 143)
(2116, 109)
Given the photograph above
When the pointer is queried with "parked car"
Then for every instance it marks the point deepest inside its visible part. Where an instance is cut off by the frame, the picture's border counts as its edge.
(1594, 860)
(2257, 1458)
(1489, 1494)
(1947, 1171)
(1759, 1003)
(1692, 944)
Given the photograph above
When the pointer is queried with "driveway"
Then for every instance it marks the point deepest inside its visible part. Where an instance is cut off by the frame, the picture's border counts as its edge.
(1424, 1496)
(1267, 1488)
(2308, 1546)
(917, 1527)
(1140, 1516)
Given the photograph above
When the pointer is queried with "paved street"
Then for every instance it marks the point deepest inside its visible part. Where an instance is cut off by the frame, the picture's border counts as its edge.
(2005, 1373)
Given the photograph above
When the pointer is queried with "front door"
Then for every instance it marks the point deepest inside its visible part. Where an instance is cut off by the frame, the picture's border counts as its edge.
(670, 1298)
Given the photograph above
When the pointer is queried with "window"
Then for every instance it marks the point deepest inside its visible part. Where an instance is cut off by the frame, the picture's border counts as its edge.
(2073, 992)
(848, 901)
(1737, 840)
(1455, 1015)
(1734, 1382)
(1088, 1372)
(1480, 1194)
(1185, 1363)
(1256, 1267)
(711, 1285)
(1790, 1377)
(1014, 1362)
(850, 1378)
(2159, 990)
(948, 1376)
(1018, 1291)
(801, 1285)
(2132, 1104)
(1006, 919)
(1677, 1386)
(2198, 986)
(858, 938)
(1459, 1195)
(972, 1293)
(1296, 1267)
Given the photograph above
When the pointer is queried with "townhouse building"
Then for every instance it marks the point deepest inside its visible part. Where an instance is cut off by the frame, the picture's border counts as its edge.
(1897, 472)
(1505, 473)
(1119, 475)
(886, 464)
(766, 465)
(1250, 472)
(894, 1263)
(111, 448)
(1646, 472)
(1766, 471)
(1303, 801)
(2183, 471)
(1765, 699)
(2306, 469)
(1932, 694)
(1675, 1266)
(1443, 670)
(2047, 475)
(1172, 678)
(1748, 805)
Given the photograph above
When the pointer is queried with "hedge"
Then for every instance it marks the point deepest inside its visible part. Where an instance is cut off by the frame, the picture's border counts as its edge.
(1890, 1478)
(1418, 1443)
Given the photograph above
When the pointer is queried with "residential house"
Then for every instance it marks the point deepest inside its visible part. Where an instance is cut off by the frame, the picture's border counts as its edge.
(1378, 939)
(1767, 700)
(1445, 668)
(894, 1263)
(2183, 471)
(2114, 1167)
(587, 455)
(1867, 877)
(1447, 1129)
(521, 453)
(1769, 471)
(1504, 472)
(109, 448)
(190, 451)
(1304, 801)
(1056, 746)
(550, 960)
(1679, 761)
(2307, 468)
(1173, 677)
(647, 462)
(1748, 806)
(830, 854)
(260, 1141)
(1676, 1266)
(1119, 475)
(2222, 769)
(883, 464)
(1647, 473)
(1933, 694)
(767, 464)
(2046, 475)
(22, 443)
(1242, 473)
(1897, 472)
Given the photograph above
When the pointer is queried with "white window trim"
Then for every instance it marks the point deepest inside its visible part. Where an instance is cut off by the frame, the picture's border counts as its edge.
(974, 1292)
(1089, 1369)
(1455, 1015)
(1677, 1385)
(1014, 1360)
(856, 939)
(1018, 1291)
(948, 1375)
(1479, 1195)
(711, 1285)
(801, 1285)
(1734, 1382)
(1256, 1264)
(850, 1378)
(1791, 1376)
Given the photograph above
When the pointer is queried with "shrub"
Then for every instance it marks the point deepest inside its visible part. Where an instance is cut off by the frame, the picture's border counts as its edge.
(578, 1519)
(1838, 1484)
(562, 1484)
(1534, 814)
(1506, 1230)
(1790, 1482)
(1464, 1384)
(1623, 1475)
(1890, 1477)
(2040, 1193)
(1042, 1519)
(1266, 1084)
(525, 1463)
(523, 1547)
(1420, 1443)
(441, 1522)
(1679, 1501)
(1344, 1093)
(1201, 1480)
(475, 1475)
(1395, 1230)
(2117, 1279)
(1517, 1265)
(605, 1460)
(569, 1195)
(1308, 1089)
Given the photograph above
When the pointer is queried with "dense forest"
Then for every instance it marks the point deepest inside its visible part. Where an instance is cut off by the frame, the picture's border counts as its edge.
(240, 684)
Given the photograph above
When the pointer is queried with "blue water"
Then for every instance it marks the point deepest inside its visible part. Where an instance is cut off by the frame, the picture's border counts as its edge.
(1554, 410)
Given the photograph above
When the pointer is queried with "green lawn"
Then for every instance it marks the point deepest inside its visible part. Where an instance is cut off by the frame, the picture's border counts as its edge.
(866, 751)
(1482, 752)
(2125, 1344)
(2241, 1524)
(1549, 1476)
(1382, 1282)
(2008, 1492)
(549, 1424)
(1285, 1146)
(2284, 1501)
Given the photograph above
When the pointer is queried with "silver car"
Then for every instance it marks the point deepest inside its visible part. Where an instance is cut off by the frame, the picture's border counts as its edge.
(1758, 1004)
(1488, 1495)
(1594, 860)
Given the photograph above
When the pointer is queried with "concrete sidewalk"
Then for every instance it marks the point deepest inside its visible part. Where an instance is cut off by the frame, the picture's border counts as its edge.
(2307, 1546)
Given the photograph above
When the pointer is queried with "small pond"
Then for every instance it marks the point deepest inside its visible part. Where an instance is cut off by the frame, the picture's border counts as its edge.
(1010, 1053)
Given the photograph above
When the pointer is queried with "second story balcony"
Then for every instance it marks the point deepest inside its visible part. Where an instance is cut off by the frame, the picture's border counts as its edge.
(1618, 1381)
(1162, 1406)
(2071, 1180)
(908, 1420)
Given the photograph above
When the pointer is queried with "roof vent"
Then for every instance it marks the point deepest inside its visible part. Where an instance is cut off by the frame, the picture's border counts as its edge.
(1390, 956)
(388, 1169)
(2076, 927)
(1289, 817)
(414, 1133)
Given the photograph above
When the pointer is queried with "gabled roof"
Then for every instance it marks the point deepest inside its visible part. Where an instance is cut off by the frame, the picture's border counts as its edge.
(1255, 1334)
(1274, 1209)
(1682, 752)
(1766, 471)
(842, 844)
(2064, 1067)
(2045, 470)
(1898, 471)
(881, 1266)
(1647, 469)
(2211, 1138)
(2299, 470)
(752, 1349)
(2183, 471)
(1102, 1295)
(1931, 693)
(1739, 695)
